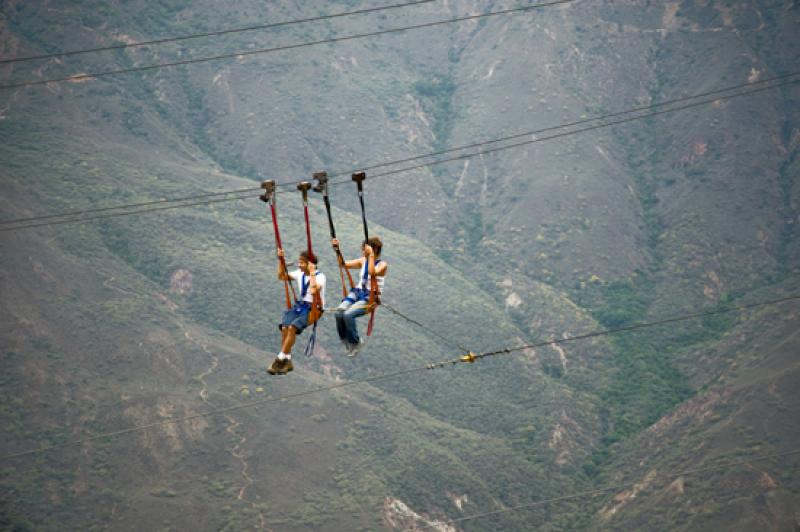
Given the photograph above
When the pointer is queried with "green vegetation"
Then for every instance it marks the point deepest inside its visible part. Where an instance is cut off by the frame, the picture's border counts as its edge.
(436, 94)
(125, 321)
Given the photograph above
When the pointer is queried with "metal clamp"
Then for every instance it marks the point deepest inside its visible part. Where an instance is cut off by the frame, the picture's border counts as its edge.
(269, 191)
(322, 182)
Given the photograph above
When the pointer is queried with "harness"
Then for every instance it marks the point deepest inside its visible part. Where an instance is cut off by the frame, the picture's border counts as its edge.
(322, 187)
(362, 291)
(268, 197)
(301, 304)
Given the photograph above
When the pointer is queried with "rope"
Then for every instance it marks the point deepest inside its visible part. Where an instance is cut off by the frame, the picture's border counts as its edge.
(572, 124)
(390, 163)
(576, 131)
(237, 55)
(628, 328)
(467, 358)
(116, 215)
(431, 331)
(216, 33)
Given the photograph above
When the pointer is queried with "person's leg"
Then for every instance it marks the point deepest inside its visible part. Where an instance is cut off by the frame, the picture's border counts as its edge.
(349, 316)
(290, 333)
(298, 325)
(284, 332)
(343, 306)
(279, 364)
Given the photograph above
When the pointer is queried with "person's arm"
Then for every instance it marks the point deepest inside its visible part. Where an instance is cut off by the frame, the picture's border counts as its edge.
(354, 264)
(313, 287)
(349, 264)
(374, 271)
(282, 273)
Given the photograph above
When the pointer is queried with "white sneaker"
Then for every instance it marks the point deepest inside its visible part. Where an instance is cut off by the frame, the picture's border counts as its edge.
(353, 349)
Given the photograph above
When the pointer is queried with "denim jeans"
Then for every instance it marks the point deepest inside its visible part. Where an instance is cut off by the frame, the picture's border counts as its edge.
(346, 315)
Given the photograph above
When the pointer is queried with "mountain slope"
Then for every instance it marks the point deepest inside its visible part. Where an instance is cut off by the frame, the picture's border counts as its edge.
(124, 320)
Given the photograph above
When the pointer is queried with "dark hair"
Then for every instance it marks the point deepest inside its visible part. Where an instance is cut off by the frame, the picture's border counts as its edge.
(375, 243)
(309, 256)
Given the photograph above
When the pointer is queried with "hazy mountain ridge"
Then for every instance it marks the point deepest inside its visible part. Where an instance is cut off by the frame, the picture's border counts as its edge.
(562, 237)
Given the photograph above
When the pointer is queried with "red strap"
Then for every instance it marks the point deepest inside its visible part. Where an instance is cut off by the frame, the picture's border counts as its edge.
(287, 285)
(373, 296)
(275, 227)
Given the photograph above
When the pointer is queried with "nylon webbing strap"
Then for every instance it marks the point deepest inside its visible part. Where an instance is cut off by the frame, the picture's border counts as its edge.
(269, 197)
(303, 187)
(359, 178)
(322, 187)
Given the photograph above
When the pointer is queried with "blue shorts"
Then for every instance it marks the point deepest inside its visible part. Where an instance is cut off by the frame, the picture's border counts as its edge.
(297, 318)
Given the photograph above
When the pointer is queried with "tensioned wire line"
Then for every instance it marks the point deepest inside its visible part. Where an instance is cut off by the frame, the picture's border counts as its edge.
(416, 157)
(216, 33)
(430, 330)
(628, 328)
(576, 131)
(386, 376)
(615, 487)
(236, 55)
(718, 96)
(575, 123)
(118, 214)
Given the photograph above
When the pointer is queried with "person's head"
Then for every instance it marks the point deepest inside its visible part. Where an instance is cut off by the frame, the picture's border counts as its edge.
(305, 258)
(375, 243)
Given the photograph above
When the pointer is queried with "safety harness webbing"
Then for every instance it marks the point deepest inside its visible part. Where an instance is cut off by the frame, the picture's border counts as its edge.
(322, 186)
(269, 197)
(359, 178)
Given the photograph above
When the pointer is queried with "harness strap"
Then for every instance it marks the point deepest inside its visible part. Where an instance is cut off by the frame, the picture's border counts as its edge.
(365, 275)
(312, 341)
(322, 186)
(269, 198)
(304, 285)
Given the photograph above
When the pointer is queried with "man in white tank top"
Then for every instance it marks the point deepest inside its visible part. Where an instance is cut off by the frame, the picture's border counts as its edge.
(356, 303)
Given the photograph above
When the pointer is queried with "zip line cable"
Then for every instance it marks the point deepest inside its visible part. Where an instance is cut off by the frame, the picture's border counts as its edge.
(165, 40)
(115, 215)
(131, 205)
(145, 203)
(441, 337)
(236, 55)
(574, 132)
(468, 358)
(437, 162)
(575, 123)
(615, 487)
(627, 328)
(719, 97)
(416, 157)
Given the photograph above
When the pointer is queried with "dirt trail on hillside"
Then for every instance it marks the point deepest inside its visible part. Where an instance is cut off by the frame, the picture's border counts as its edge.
(236, 451)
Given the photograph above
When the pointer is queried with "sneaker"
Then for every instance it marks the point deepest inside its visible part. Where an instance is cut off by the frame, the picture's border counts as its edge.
(287, 366)
(277, 366)
(353, 349)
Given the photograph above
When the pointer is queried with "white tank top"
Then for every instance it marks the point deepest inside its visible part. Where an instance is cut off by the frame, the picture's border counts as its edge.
(364, 281)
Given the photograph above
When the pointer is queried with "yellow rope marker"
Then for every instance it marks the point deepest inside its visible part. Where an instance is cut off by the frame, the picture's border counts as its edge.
(469, 357)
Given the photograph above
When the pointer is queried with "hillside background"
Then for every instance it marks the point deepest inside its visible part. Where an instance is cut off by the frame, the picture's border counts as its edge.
(130, 320)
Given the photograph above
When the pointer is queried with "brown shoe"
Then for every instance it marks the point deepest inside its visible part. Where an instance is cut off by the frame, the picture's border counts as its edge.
(276, 368)
(287, 366)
